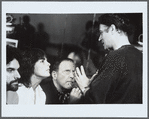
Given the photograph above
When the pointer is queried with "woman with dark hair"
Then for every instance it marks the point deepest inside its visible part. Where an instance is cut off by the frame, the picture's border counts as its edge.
(34, 68)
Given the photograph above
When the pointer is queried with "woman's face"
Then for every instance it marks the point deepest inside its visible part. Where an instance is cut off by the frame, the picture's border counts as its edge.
(42, 68)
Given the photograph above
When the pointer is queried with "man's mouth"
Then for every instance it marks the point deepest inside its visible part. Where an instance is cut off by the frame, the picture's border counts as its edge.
(14, 82)
(70, 83)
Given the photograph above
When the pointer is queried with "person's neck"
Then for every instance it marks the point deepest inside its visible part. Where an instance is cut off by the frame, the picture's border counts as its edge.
(121, 41)
(35, 81)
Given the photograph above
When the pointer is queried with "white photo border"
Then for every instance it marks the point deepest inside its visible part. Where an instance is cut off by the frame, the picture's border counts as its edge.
(94, 110)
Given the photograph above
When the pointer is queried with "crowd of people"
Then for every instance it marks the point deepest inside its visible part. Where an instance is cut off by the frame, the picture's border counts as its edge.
(31, 79)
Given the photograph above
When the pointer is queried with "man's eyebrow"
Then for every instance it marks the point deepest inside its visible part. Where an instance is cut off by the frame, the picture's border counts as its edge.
(67, 70)
(11, 68)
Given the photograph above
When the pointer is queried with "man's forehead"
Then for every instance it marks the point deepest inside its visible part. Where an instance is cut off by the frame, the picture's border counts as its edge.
(102, 27)
(66, 65)
(13, 64)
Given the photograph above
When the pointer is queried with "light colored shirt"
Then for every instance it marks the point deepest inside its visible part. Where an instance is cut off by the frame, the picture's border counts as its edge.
(31, 97)
(11, 97)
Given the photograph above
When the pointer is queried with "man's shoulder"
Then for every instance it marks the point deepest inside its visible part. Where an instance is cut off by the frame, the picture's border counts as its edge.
(124, 50)
(46, 82)
(48, 86)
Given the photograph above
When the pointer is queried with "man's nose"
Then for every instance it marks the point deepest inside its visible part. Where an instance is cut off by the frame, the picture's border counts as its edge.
(17, 75)
(100, 38)
(72, 75)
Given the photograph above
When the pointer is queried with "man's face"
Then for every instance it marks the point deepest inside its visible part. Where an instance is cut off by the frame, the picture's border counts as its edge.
(65, 75)
(105, 36)
(12, 75)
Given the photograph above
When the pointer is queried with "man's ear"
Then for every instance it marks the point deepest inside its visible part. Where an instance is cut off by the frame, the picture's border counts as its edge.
(112, 28)
(54, 75)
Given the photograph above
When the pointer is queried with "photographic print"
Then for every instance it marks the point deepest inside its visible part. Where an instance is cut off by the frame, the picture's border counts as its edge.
(74, 59)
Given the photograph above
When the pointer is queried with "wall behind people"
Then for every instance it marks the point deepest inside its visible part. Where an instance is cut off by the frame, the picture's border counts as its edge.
(72, 24)
(56, 25)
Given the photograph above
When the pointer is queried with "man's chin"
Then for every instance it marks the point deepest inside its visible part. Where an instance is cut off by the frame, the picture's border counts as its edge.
(13, 87)
(69, 87)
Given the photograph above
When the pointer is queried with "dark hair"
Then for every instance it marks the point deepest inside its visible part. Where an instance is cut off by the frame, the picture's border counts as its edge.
(30, 57)
(12, 53)
(55, 66)
(120, 21)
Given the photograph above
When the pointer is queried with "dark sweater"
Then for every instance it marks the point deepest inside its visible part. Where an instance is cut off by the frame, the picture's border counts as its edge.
(51, 92)
(52, 95)
(120, 78)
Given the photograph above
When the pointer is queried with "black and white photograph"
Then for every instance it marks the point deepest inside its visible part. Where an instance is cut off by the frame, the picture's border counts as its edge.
(74, 59)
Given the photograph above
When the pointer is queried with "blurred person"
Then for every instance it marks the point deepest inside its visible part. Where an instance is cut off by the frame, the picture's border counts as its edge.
(82, 57)
(90, 37)
(62, 88)
(24, 33)
(34, 68)
(120, 76)
(76, 57)
(13, 64)
(41, 39)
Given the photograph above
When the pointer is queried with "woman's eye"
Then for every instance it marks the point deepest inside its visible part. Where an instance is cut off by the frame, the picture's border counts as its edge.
(42, 61)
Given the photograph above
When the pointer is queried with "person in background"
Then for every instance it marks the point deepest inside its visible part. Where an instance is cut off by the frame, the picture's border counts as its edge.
(120, 76)
(41, 38)
(76, 57)
(62, 89)
(24, 33)
(12, 75)
(34, 68)
(90, 37)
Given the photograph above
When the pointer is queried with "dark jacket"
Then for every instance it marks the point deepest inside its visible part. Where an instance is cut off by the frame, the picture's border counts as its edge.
(120, 78)
(51, 92)
(52, 95)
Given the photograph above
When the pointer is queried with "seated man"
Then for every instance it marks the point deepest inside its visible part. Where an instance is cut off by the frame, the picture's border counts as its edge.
(62, 89)
(12, 74)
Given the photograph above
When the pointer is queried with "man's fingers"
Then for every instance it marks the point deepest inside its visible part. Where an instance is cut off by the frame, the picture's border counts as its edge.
(76, 77)
(73, 90)
(78, 71)
(82, 70)
(94, 75)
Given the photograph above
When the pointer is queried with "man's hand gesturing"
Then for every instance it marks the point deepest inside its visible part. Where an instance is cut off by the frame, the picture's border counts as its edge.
(81, 78)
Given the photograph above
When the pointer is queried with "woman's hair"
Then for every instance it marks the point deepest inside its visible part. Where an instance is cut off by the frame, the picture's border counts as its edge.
(120, 21)
(30, 57)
